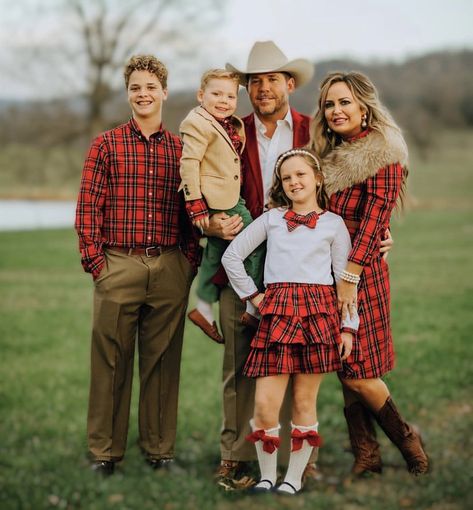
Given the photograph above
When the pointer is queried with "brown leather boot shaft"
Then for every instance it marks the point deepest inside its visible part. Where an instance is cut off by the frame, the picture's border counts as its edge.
(404, 436)
(363, 441)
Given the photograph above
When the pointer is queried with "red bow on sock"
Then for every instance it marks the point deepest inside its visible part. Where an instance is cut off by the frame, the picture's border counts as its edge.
(270, 443)
(294, 220)
(311, 436)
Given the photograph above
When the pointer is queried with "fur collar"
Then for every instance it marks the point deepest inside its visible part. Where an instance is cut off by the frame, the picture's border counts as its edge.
(353, 162)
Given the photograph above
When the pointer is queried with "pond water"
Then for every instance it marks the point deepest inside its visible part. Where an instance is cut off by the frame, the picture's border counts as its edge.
(36, 214)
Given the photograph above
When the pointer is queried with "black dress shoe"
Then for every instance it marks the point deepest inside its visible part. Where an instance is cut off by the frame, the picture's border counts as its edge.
(164, 464)
(265, 488)
(104, 467)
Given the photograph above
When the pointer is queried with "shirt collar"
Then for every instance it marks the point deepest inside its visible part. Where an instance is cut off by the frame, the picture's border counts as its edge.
(136, 129)
(287, 120)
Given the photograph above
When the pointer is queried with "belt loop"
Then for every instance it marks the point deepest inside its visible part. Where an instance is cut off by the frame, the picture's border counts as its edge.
(157, 248)
(130, 251)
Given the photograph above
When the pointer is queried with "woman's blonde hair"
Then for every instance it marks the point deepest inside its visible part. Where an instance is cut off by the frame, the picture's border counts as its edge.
(323, 140)
(277, 197)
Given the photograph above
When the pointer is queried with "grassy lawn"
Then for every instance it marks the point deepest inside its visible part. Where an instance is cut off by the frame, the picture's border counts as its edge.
(45, 316)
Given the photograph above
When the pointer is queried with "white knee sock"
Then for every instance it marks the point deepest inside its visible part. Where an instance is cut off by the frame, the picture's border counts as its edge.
(267, 461)
(205, 309)
(298, 458)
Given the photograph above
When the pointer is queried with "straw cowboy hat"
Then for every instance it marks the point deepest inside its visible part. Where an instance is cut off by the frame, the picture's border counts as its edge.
(266, 57)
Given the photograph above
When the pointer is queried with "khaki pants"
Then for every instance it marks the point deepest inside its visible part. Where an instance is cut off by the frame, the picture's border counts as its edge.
(145, 298)
(239, 391)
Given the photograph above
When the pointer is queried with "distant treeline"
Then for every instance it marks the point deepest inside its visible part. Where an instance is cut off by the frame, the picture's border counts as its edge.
(425, 94)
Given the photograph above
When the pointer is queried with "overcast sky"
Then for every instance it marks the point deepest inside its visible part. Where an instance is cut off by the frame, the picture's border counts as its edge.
(313, 29)
(367, 29)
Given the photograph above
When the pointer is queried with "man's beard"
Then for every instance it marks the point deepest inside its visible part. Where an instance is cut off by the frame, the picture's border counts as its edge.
(266, 111)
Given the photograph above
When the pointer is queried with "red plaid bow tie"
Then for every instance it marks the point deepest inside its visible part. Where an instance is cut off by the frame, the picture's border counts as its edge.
(270, 443)
(294, 220)
(298, 437)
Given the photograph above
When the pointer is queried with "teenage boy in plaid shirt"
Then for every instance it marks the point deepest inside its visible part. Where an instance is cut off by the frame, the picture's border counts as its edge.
(136, 241)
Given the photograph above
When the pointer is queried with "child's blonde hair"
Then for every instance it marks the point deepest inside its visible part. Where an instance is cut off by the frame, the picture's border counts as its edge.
(220, 74)
(277, 197)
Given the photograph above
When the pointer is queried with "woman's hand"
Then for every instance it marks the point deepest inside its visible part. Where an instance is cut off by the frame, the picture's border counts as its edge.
(257, 299)
(224, 226)
(346, 346)
(386, 244)
(346, 296)
(202, 223)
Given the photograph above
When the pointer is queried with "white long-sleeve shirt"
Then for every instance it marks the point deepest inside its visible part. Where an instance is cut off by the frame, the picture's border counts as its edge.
(304, 255)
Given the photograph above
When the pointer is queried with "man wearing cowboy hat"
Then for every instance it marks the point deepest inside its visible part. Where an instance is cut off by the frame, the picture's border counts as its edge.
(271, 129)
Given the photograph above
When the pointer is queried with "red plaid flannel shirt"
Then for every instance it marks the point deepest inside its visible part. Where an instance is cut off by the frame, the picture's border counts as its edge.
(128, 196)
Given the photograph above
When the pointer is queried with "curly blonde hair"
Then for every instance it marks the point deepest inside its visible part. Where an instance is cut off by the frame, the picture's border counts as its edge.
(146, 63)
(277, 197)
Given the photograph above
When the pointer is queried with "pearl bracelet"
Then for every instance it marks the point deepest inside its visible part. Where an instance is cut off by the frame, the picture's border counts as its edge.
(350, 277)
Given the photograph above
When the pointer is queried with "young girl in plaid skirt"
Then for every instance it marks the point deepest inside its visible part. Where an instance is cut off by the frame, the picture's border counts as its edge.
(300, 334)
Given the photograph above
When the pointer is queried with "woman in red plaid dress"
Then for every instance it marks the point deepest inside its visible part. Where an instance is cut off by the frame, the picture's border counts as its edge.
(364, 162)
(300, 334)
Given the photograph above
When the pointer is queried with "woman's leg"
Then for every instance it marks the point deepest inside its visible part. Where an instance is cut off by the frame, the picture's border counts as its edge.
(375, 395)
(362, 434)
(265, 426)
(304, 429)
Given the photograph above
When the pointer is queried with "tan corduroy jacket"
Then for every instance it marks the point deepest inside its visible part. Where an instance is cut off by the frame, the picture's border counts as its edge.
(210, 165)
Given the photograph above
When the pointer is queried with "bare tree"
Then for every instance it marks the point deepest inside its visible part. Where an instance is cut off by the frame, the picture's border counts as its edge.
(111, 31)
(77, 47)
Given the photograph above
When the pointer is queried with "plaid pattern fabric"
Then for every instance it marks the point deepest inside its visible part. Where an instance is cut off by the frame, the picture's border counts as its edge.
(232, 133)
(299, 331)
(371, 203)
(294, 220)
(128, 195)
(197, 209)
(292, 359)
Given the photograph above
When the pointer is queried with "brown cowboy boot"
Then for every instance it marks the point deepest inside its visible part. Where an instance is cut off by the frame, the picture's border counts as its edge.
(404, 436)
(363, 440)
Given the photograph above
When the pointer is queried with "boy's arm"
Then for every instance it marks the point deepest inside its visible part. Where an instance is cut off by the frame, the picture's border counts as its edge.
(89, 211)
(195, 145)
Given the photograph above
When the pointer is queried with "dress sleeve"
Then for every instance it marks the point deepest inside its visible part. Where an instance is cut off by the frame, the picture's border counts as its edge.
(89, 211)
(244, 244)
(382, 191)
(340, 248)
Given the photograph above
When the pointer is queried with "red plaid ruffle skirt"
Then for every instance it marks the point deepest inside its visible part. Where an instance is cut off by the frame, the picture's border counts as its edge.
(299, 331)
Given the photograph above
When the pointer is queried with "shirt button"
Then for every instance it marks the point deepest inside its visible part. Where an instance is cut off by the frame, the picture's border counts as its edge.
(150, 215)
(235, 177)
(150, 194)
(151, 172)
(151, 150)
(236, 160)
(149, 238)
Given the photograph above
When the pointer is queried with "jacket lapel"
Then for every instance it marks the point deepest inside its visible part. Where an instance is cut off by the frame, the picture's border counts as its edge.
(300, 128)
(216, 125)
(252, 161)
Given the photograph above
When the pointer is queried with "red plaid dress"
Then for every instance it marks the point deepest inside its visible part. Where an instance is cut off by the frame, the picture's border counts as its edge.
(299, 331)
(370, 203)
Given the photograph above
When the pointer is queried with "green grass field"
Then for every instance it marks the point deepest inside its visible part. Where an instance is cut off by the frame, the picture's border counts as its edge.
(45, 316)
